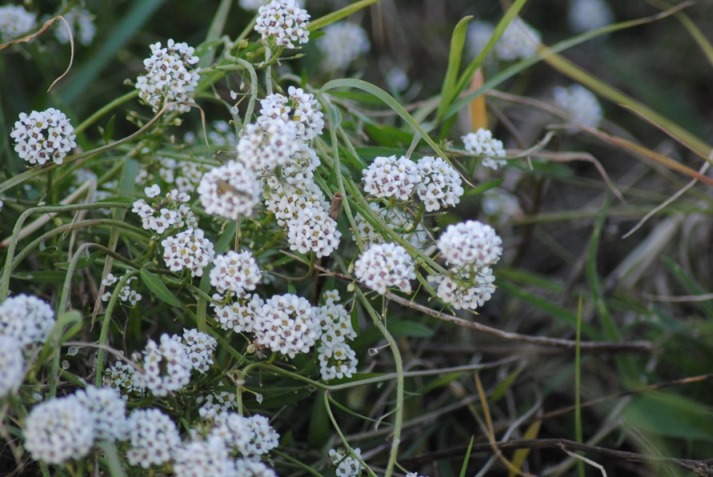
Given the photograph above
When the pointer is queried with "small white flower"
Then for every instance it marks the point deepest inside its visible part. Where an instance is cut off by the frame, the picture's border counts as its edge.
(385, 265)
(299, 107)
(337, 360)
(519, 41)
(580, 104)
(152, 191)
(585, 15)
(26, 319)
(482, 143)
(14, 21)
(170, 77)
(235, 272)
(58, 430)
(153, 438)
(229, 191)
(470, 243)
(440, 184)
(81, 22)
(188, 250)
(391, 177)
(347, 465)
(342, 43)
(12, 366)
(466, 292)
(43, 136)
(334, 320)
(216, 406)
(284, 22)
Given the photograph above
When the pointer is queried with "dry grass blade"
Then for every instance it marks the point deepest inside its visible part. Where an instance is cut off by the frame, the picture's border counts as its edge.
(478, 108)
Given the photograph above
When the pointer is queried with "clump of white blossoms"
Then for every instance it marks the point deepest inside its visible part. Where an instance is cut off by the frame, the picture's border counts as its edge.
(200, 458)
(286, 324)
(283, 22)
(250, 436)
(170, 77)
(229, 191)
(126, 294)
(200, 348)
(519, 41)
(153, 438)
(287, 198)
(470, 243)
(107, 410)
(346, 464)
(580, 104)
(59, 430)
(166, 366)
(255, 4)
(14, 21)
(440, 184)
(43, 136)
(298, 107)
(235, 272)
(268, 144)
(313, 230)
(171, 212)
(239, 315)
(388, 177)
(252, 468)
(26, 319)
(342, 43)
(188, 250)
(81, 22)
(385, 265)
(336, 358)
(216, 405)
(466, 290)
(12, 366)
(585, 15)
(482, 143)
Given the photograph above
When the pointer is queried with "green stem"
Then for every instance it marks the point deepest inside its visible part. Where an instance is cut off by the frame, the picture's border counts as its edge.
(398, 363)
(105, 109)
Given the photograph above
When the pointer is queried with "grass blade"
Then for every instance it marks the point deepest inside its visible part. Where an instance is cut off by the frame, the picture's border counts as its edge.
(454, 58)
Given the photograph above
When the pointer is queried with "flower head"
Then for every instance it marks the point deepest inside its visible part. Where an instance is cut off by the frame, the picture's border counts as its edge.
(268, 144)
(467, 291)
(26, 319)
(14, 21)
(470, 243)
(229, 191)
(313, 230)
(188, 250)
(342, 43)
(170, 77)
(43, 136)
(482, 143)
(385, 265)
(286, 324)
(235, 272)
(298, 107)
(519, 41)
(200, 458)
(391, 177)
(81, 22)
(200, 348)
(166, 366)
(12, 366)
(585, 15)
(284, 22)
(58, 430)
(440, 184)
(153, 437)
(580, 104)
(107, 410)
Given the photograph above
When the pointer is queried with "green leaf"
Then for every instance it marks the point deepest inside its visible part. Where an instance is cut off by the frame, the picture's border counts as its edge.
(454, 58)
(671, 416)
(158, 288)
(484, 187)
(330, 18)
(388, 135)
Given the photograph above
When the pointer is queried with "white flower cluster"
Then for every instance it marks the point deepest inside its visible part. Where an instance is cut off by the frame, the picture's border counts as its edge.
(519, 41)
(288, 198)
(388, 177)
(153, 438)
(298, 107)
(283, 22)
(235, 272)
(12, 366)
(336, 358)
(126, 294)
(229, 191)
(255, 4)
(250, 436)
(268, 144)
(169, 77)
(200, 458)
(66, 428)
(239, 315)
(342, 43)
(482, 143)
(81, 22)
(188, 250)
(580, 104)
(161, 215)
(347, 465)
(397, 220)
(313, 230)
(286, 324)
(440, 184)
(43, 136)
(14, 21)
(385, 265)
(215, 406)
(585, 15)
(183, 175)
(470, 248)
(164, 367)
(26, 319)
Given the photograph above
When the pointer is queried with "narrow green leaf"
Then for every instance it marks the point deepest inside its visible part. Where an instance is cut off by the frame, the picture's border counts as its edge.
(158, 288)
(671, 416)
(464, 467)
(454, 59)
(215, 31)
(330, 18)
